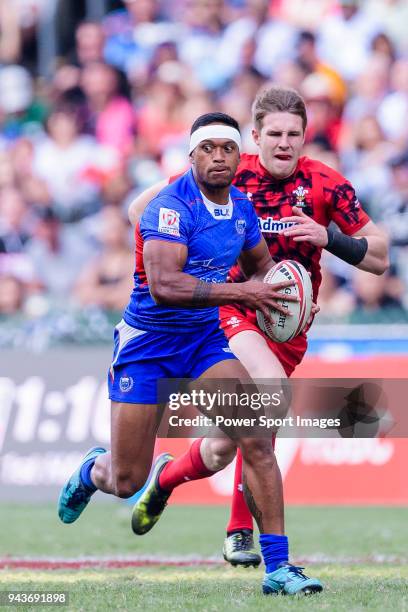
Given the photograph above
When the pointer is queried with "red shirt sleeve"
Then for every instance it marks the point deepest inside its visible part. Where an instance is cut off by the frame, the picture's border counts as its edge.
(343, 206)
(347, 212)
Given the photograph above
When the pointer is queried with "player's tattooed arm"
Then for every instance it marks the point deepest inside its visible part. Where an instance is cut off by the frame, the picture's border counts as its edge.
(201, 293)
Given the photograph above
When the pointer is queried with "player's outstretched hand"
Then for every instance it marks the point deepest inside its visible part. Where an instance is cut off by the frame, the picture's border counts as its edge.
(264, 296)
(305, 230)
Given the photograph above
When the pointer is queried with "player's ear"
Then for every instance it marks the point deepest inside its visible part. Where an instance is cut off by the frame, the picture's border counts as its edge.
(191, 156)
(255, 135)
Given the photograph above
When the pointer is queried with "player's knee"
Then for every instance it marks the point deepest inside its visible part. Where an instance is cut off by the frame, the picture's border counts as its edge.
(257, 451)
(220, 460)
(217, 454)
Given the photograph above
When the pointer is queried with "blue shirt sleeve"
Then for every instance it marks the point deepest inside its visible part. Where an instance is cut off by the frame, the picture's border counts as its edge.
(253, 234)
(167, 218)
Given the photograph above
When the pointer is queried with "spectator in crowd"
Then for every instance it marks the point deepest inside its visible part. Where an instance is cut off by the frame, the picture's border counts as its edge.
(133, 34)
(15, 234)
(374, 302)
(351, 30)
(58, 254)
(33, 188)
(324, 120)
(200, 43)
(369, 90)
(308, 58)
(393, 108)
(237, 101)
(240, 35)
(62, 161)
(19, 112)
(110, 114)
(290, 74)
(7, 171)
(14, 221)
(160, 118)
(275, 43)
(10, 33)
(335, 301)
(107, 279)
(11, 295)
(90, 42)
(393, 15)
(383, 45)
(320, 148)
(365, 161)
(391, 205)
(304, 14)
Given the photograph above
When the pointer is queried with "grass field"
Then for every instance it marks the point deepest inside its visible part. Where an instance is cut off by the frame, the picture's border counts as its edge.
(359, 553)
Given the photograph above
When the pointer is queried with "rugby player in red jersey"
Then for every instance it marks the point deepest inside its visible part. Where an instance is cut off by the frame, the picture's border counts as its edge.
(295, 199)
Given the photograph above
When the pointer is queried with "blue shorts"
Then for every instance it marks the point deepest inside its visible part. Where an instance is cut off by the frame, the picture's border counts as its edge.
(141, 358)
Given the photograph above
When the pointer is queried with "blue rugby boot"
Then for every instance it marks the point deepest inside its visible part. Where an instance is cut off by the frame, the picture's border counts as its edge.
(75, 496)
(150, 505)
(290, 580)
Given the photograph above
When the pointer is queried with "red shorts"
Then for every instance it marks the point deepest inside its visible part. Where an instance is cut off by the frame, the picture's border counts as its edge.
(234, 320)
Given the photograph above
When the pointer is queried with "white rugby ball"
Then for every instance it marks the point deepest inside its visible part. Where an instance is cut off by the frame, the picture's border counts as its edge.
(287, 327)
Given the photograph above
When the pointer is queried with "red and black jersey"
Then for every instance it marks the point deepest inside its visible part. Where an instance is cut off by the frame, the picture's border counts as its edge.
(322, 193)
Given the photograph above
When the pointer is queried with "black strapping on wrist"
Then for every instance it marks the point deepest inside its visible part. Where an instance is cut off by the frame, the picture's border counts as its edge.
(349, 249)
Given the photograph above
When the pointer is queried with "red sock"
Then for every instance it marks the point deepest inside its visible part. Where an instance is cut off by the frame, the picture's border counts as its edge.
(240, 517)
(189, 466)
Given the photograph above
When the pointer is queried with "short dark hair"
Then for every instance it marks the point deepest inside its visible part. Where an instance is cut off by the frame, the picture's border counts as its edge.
(210, 118)
(306, 36)
(278, 99)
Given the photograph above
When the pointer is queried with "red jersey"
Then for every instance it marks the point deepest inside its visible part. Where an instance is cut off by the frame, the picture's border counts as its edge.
(322, 193)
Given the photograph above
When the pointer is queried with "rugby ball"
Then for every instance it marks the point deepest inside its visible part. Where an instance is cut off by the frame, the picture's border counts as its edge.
(287, 327)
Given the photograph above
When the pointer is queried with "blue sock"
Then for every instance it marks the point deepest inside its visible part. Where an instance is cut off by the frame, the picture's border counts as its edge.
(85, 474)
(274, 549)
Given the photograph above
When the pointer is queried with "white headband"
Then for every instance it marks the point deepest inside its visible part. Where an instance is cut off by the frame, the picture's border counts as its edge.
(208, 132)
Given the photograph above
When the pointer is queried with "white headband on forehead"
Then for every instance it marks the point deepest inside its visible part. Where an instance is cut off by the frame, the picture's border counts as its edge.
(208, 132)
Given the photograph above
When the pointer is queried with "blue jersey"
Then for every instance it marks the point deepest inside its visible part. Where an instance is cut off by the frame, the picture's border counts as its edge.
(214, 234)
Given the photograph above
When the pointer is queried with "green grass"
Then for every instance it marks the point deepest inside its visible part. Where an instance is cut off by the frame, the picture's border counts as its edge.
(362, 588)
(104, 530)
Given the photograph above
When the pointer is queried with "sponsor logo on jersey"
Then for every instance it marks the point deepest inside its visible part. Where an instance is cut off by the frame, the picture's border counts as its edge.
(222, 213)
(240, 226)
(270, 225)
(300, 193)
(169, 222)
(125, 383)
(226, 349)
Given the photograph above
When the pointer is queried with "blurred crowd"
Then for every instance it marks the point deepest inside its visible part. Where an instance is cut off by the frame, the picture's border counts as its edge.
(113, 118)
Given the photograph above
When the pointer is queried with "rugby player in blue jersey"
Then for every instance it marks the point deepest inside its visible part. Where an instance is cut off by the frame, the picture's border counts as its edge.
(188, 238)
